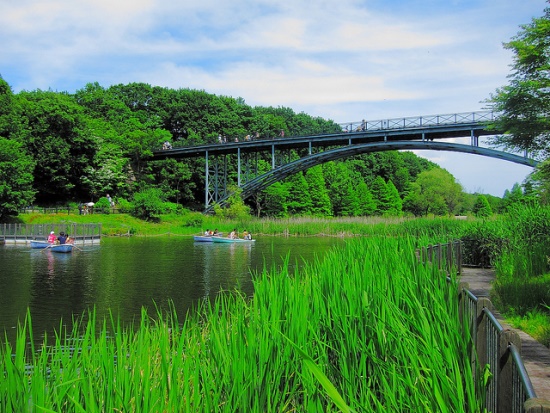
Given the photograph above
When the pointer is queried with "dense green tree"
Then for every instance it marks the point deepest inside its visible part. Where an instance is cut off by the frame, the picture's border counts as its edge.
(98, 141)
(148, 204)
(381, 195)
(367, 205)
(339, 180)
(171, 176)
(482, 207)
(395, 205)
(299, 200)
(524, 104)
(434, 191)
(320, 201)
(15, 178)
(9, 119)
(513, 196)
(235, 208)
(56, 136)
(273, 200)
(540, 182)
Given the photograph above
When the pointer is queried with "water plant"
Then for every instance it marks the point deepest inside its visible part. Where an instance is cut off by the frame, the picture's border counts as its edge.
(381, 328)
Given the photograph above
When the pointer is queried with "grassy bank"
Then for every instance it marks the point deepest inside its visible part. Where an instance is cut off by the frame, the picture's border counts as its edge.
(195, 223)
(368, 319)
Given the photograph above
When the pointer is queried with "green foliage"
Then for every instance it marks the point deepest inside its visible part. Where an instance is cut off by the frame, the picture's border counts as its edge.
(15, 178)
(148, 204)
(535, 322)
(524, 103)
(522, 295)
(299, 201)
(320, 201)
(124, 206)
(434, 191)
(235, 207)
(540, 182)
(367, 204)
(483, 242)
(481, 207)
(103, 204)
(56, 136)
(98, 141)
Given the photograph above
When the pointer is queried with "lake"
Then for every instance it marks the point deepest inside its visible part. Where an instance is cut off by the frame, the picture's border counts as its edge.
(124, 274)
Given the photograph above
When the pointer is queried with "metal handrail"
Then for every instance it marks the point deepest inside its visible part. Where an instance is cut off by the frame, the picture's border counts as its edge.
(419, 121)
(510, 389)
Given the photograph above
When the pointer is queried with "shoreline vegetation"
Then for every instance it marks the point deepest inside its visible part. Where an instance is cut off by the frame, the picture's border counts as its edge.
(366, 329)
(349, 333)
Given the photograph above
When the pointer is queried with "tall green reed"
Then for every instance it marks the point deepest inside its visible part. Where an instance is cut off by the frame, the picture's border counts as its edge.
(381, 328)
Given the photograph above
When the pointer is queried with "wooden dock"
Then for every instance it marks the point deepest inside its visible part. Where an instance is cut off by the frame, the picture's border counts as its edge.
(25, 233)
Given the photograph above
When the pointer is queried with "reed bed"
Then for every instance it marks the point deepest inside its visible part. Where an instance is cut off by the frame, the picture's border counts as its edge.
(367, 329)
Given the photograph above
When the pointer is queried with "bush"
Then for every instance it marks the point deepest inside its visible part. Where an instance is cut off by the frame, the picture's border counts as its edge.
(483, 242)
(148, 204)
(102, 205)
(124, 206)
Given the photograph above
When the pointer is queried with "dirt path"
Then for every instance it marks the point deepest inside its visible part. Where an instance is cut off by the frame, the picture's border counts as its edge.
(536, 356)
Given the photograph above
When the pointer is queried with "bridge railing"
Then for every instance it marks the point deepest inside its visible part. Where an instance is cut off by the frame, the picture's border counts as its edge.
(509, 388)
(419, 121)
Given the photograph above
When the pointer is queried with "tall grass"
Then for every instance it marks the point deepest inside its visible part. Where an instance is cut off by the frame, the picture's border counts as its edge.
(382, 329)
(523, 265)
(193, 223)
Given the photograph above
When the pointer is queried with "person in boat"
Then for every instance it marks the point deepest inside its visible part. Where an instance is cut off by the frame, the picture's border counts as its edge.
(215, 233)
(62, 238)
(207, 233)
(247, 235)
(233, 234)
(52, 238)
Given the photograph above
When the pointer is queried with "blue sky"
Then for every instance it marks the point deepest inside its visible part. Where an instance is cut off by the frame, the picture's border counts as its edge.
(344, 60)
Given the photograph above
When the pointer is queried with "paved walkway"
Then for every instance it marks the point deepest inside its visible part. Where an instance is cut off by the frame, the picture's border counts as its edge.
(536, 357)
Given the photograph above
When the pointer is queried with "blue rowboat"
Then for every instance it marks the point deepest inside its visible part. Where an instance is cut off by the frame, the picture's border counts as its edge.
(232, 240)
(40, 244)
(202, 238)
(62, 248)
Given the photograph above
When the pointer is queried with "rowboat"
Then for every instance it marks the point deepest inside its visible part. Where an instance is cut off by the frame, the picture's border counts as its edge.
(202, 238)
(232, 240)
(40, 244)
(62, 248)
(206, 238)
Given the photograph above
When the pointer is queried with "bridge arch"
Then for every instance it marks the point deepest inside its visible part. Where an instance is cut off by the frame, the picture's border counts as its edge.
(263, 181)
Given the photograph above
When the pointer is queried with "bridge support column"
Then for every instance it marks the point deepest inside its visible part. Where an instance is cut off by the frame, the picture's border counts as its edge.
(474, 140)
(215, 180)
(239, 167)
(206, 183)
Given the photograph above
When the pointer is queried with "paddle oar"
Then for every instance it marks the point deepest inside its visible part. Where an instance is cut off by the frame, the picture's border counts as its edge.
(44, 249)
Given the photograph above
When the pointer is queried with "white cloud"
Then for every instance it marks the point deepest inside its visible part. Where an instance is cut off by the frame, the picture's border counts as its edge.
(340, 59)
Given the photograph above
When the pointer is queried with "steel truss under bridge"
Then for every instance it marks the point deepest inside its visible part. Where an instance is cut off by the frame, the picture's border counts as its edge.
(255, 165)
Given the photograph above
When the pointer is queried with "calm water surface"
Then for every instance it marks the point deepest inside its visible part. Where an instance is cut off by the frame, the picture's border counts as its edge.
(123, 274)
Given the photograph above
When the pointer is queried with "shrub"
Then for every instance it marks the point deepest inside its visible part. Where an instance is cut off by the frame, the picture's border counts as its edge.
(148, 204)
(124, 206)
(483, 242)
(102, 205)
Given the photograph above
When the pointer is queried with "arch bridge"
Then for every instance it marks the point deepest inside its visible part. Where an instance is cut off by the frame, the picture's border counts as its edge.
(409, 133)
